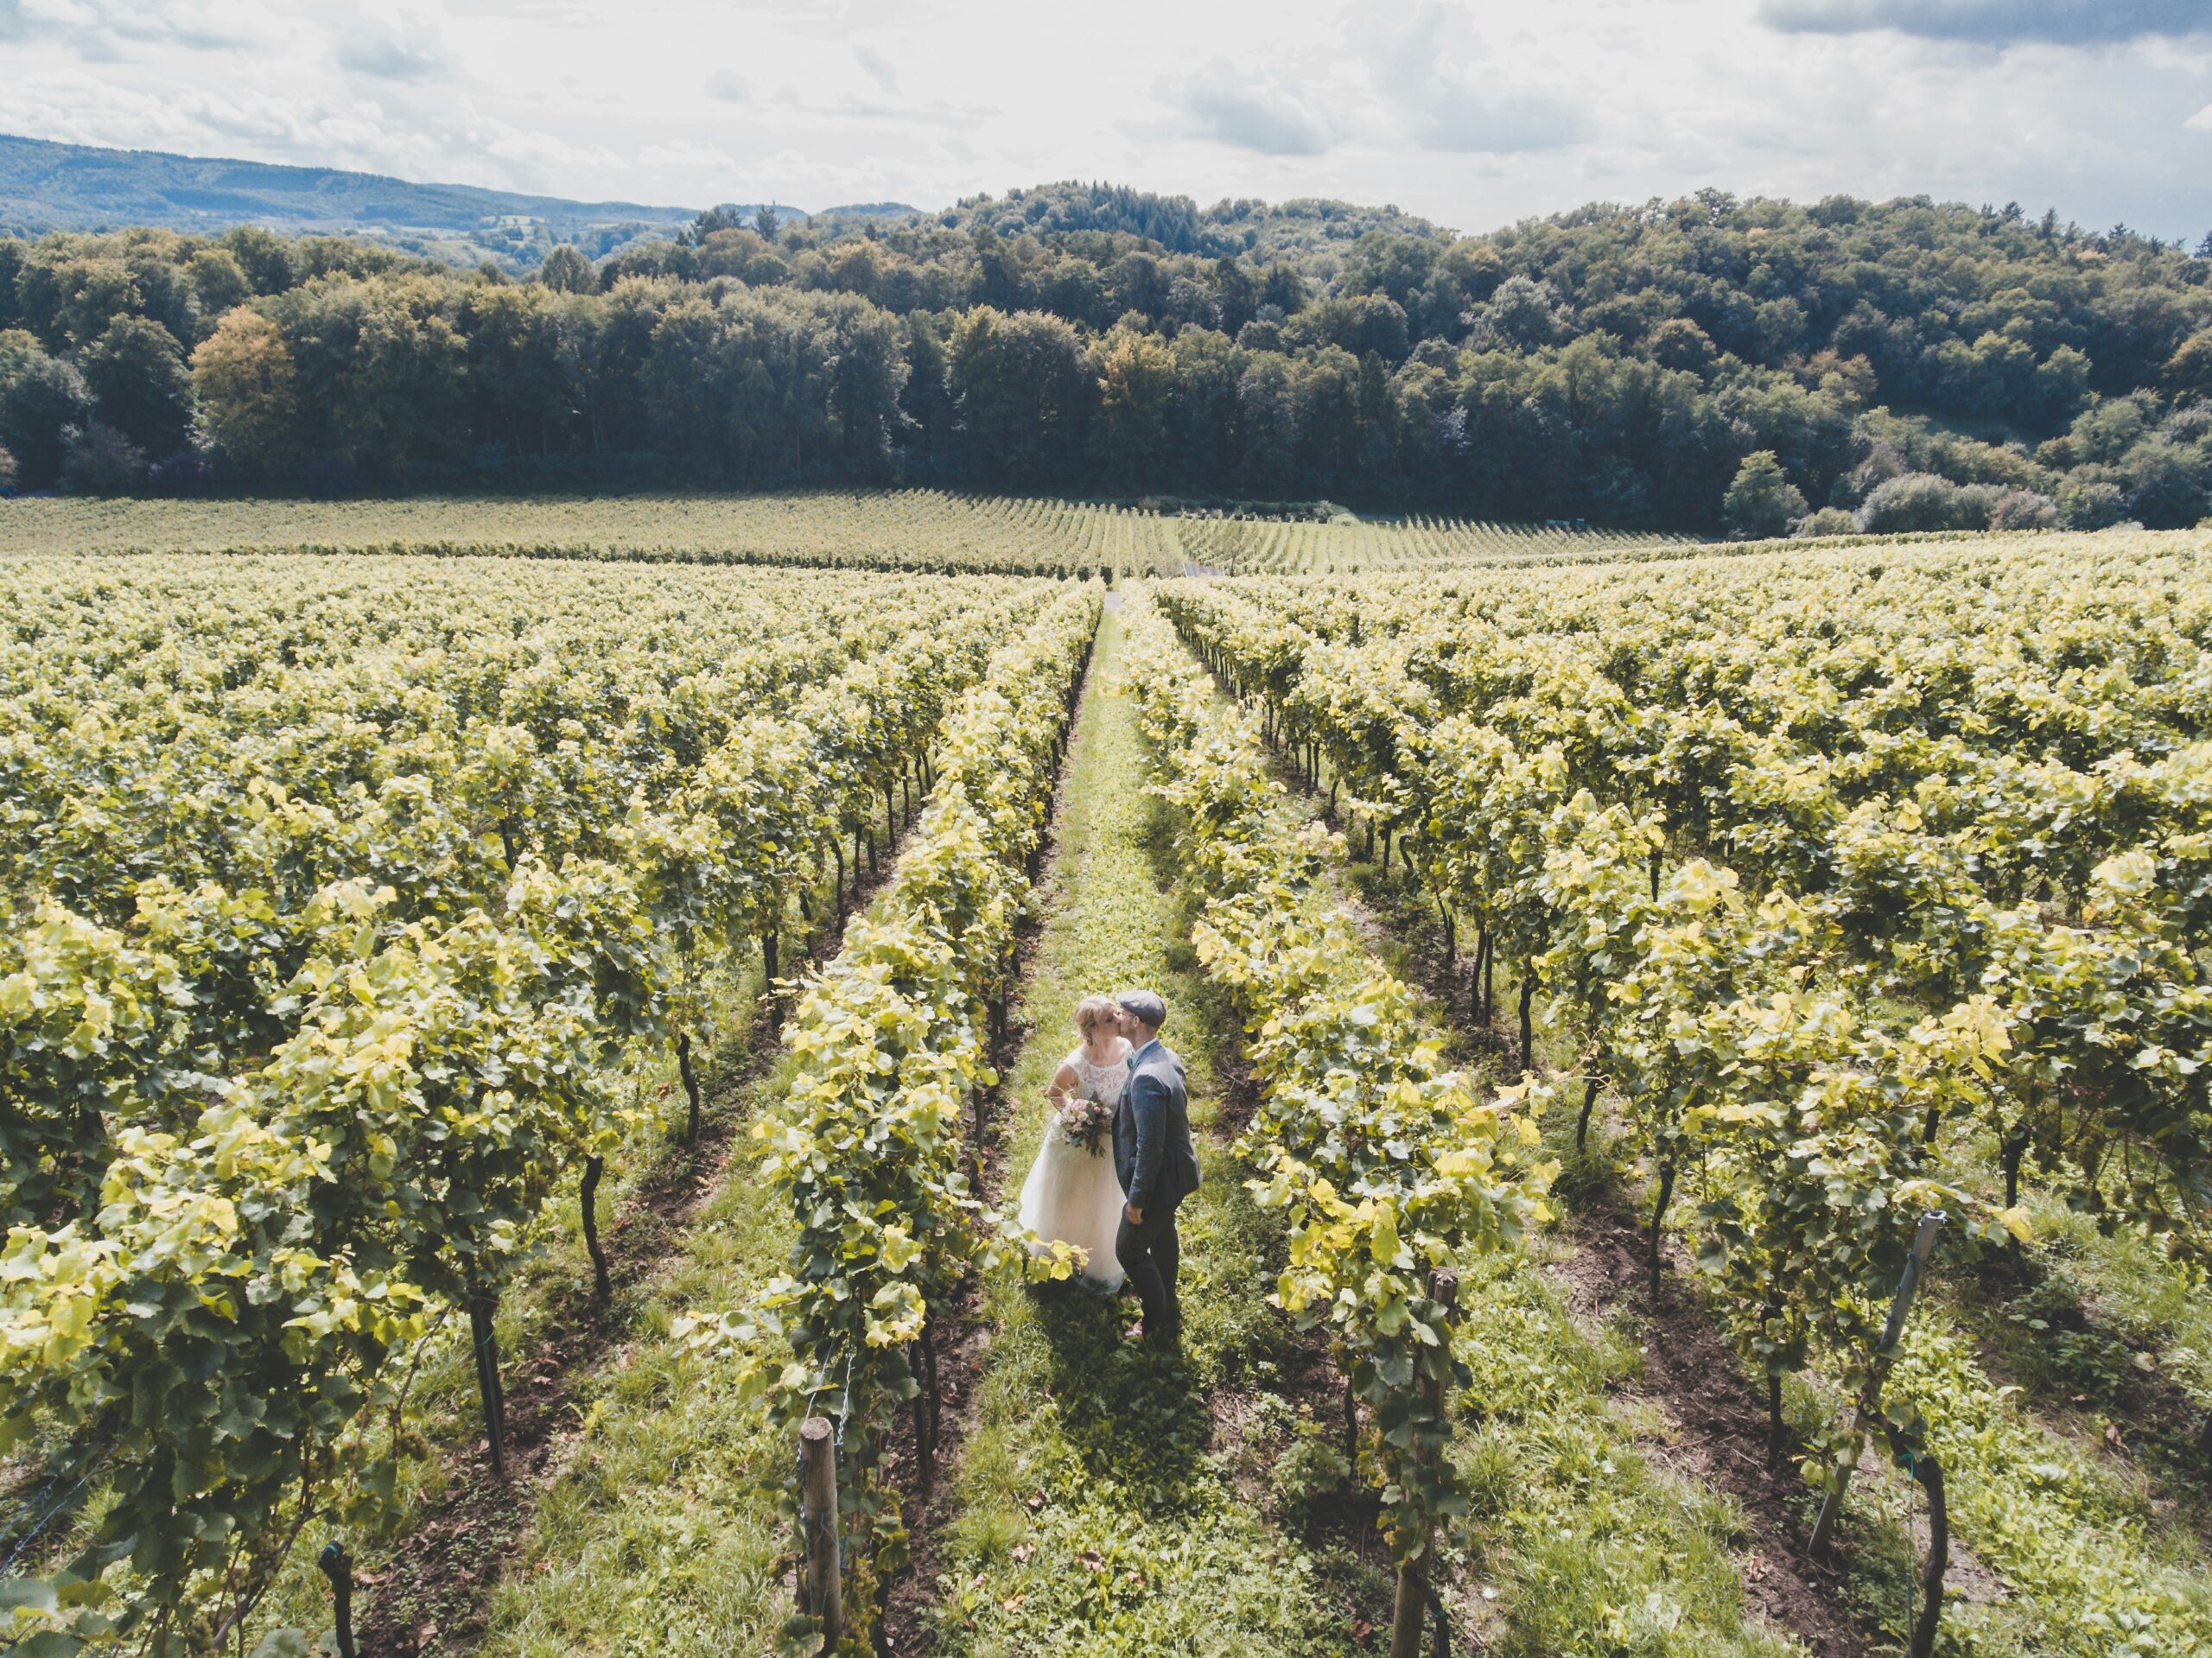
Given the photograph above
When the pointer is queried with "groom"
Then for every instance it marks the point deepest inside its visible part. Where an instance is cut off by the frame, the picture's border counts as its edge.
(1153, 1157)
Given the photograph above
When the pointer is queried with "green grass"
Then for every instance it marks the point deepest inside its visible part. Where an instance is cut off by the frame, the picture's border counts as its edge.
(2131, 1310)
(442, 1435)
(1100, 1509)
(2091, 1576)
(2129, 1285)
(660, 1532)
(1592, 1550)
(661, 1535)
(664, 1533)
(2108, 1336)
(2060, 1546)
(590, 1542)
(2098, 1553)
(1106, 1501)
(2057, 1546)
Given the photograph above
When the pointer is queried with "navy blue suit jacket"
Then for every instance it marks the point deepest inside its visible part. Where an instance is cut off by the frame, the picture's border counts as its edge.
(1152, 1153)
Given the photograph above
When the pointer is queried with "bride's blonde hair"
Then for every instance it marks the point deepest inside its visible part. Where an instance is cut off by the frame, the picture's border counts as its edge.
(1091, 1010)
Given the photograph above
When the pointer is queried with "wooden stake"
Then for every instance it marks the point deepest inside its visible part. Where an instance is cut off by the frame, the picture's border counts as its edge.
(825, 1588)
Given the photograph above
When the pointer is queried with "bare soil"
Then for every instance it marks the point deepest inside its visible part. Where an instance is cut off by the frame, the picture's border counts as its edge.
(1717, 1422)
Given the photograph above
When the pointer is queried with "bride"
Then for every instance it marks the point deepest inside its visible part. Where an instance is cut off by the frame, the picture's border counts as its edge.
(1072, 1194)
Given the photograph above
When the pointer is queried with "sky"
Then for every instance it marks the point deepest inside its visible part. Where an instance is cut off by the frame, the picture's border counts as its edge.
(1473, 115)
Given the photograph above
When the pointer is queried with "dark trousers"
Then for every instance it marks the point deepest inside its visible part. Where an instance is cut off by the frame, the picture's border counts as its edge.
(1150, 1255)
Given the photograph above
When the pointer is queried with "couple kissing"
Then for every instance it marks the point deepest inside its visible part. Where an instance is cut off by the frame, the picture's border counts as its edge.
(1121, 1091)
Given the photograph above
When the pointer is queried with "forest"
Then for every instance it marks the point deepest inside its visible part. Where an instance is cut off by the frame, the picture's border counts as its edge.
(1716, 364)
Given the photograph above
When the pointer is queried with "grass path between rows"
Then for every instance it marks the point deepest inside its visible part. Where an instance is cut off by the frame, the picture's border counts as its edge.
(1108, 1500)
(660, 1535)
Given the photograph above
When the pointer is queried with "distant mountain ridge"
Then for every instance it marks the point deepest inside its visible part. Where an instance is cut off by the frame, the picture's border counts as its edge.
(56, 186)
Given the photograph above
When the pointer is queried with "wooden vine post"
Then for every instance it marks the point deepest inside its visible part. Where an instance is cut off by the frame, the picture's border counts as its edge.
(1416, 1596)
(1878, 1372)
(336, 1562)
(817, 1515)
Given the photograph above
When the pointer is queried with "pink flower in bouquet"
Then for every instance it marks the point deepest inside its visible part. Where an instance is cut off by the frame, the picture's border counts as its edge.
(1086, 1123)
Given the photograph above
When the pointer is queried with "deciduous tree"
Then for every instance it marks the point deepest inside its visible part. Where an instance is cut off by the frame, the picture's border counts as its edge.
(249, 394)
(1762, 501)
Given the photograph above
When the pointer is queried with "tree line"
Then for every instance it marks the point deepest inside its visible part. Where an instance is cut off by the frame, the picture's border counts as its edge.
(1749, 366)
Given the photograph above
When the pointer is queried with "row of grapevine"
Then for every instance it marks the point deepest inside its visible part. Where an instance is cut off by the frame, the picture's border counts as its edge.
(902, 530)
(1392, 1169)
(1710, 1010)
(1813, 864)
(1988, 792)
(910, 531)
(333, 920)
(1248, 547)
(875, 1147)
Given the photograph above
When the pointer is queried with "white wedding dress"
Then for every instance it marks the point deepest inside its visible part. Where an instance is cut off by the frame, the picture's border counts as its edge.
(1073, 1196)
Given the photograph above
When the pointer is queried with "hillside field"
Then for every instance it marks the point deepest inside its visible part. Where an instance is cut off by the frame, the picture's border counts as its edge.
(915, 529)
(511, 1008)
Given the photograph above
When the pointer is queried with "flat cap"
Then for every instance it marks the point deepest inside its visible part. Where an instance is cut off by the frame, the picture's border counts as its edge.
(1145, 1005)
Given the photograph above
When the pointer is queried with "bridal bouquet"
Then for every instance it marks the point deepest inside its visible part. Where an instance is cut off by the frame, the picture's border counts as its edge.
(1086, 1123)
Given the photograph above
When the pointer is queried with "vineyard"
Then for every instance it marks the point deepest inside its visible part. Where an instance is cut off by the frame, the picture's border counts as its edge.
(916, 529)
(1307, 547)
(519, 1042)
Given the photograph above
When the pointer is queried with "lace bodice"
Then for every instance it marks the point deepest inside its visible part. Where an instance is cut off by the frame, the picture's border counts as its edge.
(1100, 1083)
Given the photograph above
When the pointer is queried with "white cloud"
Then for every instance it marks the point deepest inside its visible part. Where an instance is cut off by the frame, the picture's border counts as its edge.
(384, 56)
(1248, 110)
(1429, 63)
(100, 31)
(878, 66)
(534, 152)
(685, 155)
(1471, 114)
(1995, 23)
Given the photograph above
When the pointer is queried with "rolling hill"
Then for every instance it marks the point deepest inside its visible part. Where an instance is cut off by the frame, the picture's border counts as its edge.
(54, 186)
